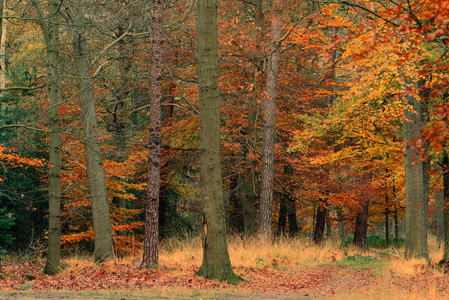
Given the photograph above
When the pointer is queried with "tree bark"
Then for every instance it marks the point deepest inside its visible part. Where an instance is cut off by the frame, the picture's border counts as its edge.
(282, 221)
(439, 207)
(291, 214)
(151, 242)
(50, 30)
(103, 236)
(320, 221)
(216, 263)
(269, 126)
(341, 229)
(446, 202)
(2, 48)
(415, 183)
(361, 226)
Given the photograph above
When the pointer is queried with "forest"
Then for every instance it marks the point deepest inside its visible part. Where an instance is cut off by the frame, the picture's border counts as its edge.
(263, 144)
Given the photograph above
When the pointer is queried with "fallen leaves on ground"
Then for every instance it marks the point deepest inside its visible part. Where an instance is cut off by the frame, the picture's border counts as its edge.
(324, 280)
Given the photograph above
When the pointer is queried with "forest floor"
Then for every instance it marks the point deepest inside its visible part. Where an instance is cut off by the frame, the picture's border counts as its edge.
(288, 269)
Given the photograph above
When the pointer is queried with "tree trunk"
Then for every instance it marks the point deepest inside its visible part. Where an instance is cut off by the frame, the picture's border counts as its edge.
(291, 214)
(446, 202)
(50, 30)
(235, 215)
(151, 242)
(361, 226)
(320, 221)
(216, 263)
(269, 126)
(247, 201)
(103, 236)
(2, 48)
(439, 207)
(387, 222)
(415, 183)
(341, 229)
(282, 222)
(328, 225)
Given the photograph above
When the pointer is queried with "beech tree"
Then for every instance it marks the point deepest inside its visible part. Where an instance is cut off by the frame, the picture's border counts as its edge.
(216, 262)
(103, 236)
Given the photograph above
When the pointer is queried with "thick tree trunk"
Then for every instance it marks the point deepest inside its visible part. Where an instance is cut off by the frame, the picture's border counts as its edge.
(269, 126)
(216, 263)
(103, 236)
(328, 225)
(151, 242)
(361, 226)
(416, 191)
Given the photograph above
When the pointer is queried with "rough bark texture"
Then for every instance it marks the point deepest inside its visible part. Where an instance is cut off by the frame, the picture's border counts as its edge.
(415, 184)
(361, 226)
(103, 237)
(151, 242)
(216, 263)
(269, 126)
(320, 222)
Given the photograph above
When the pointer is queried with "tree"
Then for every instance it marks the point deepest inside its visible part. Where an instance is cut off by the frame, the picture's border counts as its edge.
(216, 262)
(269, 126)
(103, 236)
(151, 243)
(50, 30)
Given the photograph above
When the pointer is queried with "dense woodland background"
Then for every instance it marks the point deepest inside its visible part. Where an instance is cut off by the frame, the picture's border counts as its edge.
(360, 119)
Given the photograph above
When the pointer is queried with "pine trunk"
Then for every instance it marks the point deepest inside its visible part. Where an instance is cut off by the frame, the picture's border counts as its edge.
(269, 126)
(216, 263)
(151, 242)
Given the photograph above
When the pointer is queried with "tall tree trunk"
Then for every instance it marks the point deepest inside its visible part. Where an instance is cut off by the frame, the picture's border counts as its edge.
(328, 225)
(216, 263)
(151, 242)
(269, 126)
(103, 236)
(387, 222)
(446, 202)
(50, 30)
(320, 221)
(361, 226)
(415, 183)
(235, 215)
(2, 48)
(439, 206)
